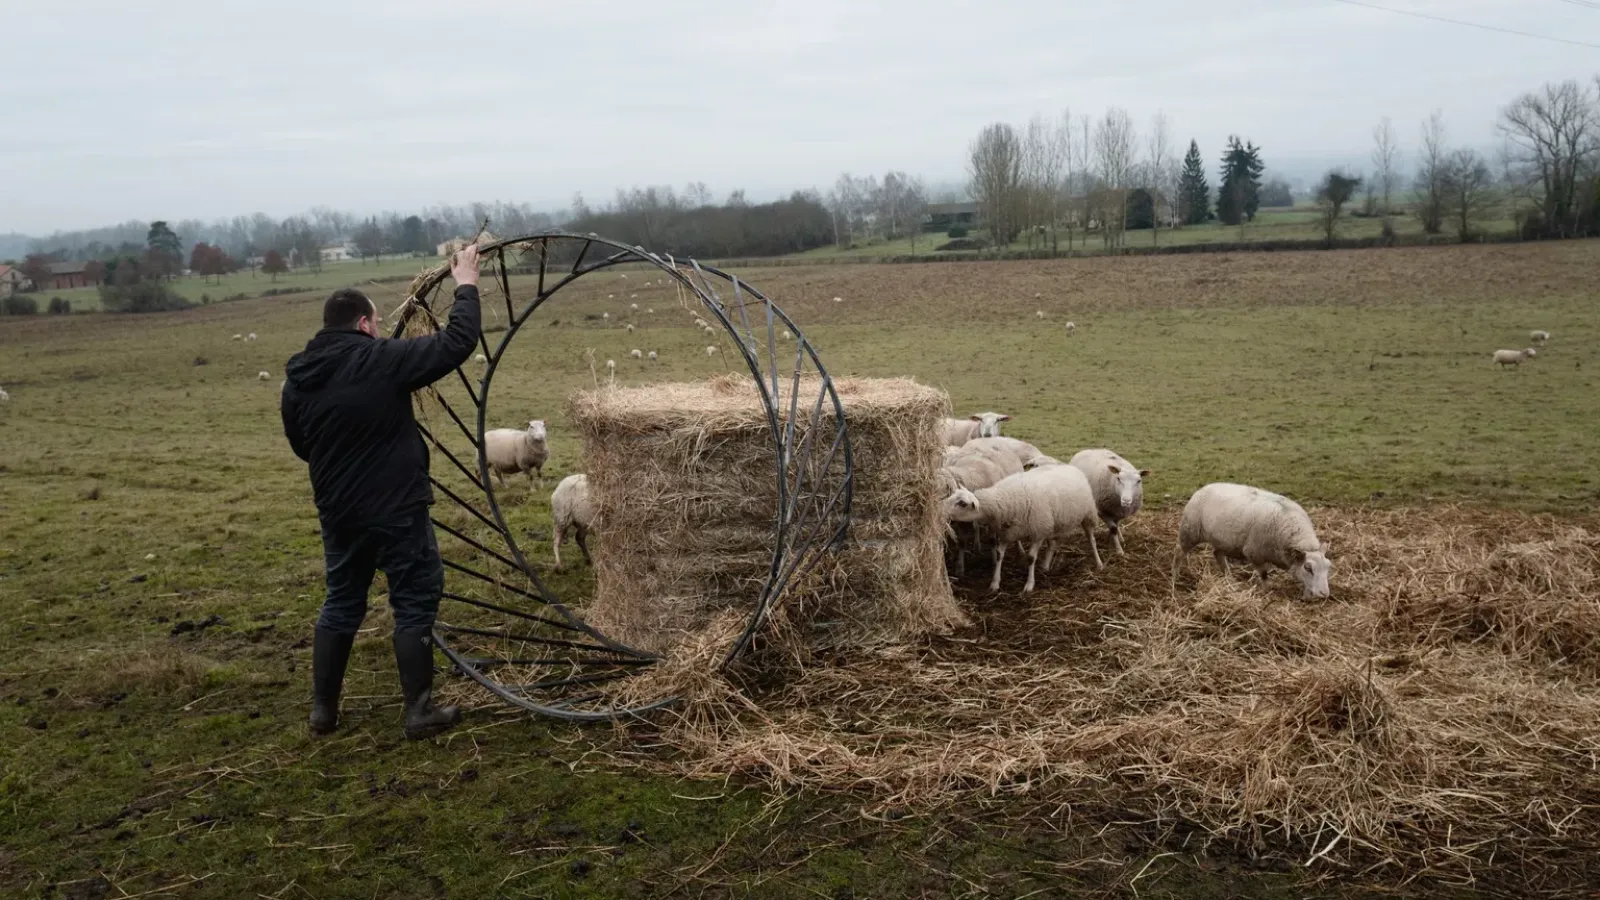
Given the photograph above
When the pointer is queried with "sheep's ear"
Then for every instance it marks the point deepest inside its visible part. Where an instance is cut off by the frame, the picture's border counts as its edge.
(1114, 470)
(1144, 473)
(1299, 556)
(975, 418)
(1005, 418)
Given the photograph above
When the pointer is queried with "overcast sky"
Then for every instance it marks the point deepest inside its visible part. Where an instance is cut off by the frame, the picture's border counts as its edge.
(117, 110)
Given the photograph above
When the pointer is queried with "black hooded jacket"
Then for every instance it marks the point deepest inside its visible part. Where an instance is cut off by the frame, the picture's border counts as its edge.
(347, 411)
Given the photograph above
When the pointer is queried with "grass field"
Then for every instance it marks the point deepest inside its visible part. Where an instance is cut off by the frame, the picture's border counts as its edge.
(253, 284)
(160, 567)
(1281, 224)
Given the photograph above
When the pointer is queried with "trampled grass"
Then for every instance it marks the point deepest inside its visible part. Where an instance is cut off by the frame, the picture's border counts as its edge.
(160, 566)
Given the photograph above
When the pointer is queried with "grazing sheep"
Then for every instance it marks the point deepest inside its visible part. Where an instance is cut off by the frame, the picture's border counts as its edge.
(1539, 336)
(237, 337)
(511, 450)
(1071, 327)
(710, 330)
(1513, 357)
(1118, 488)
(605, 317)
(1259, 527)
(251, 336)
(711, 351)
(611, 367)
(1039, 506)
(787, 336)
(624, 276)
(636, 354)
(633, 306)
(1038, 314)
(571, 508)
(263, 376)
(480, 358)
(629, 327)
(4, 397)
(651, 355)
(838, 299)
(699, 322)
(651, 311)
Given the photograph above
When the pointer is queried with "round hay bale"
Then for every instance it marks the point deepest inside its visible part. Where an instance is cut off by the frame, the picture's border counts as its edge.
(684, 479)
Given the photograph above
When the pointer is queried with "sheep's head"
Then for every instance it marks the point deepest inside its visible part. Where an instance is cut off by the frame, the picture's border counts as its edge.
(1530, 353)
(961, 506)
(536, 430)
(1129, 485)
(989, 423)
(1313, 570)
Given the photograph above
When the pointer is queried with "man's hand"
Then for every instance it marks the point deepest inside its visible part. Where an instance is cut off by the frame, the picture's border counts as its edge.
(464, 265)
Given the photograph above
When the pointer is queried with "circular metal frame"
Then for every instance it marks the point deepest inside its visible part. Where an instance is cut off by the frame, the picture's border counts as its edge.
(815, 477)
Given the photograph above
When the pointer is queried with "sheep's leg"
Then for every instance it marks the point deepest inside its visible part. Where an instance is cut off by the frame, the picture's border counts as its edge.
(1116, 536)
(1033, 559)
(1177, 564)
(1094, 549)
(1049, 556)
(999, 560)
(556, 542)
(1221, 560)
(499, 477)
(961, 560)
(581, 534)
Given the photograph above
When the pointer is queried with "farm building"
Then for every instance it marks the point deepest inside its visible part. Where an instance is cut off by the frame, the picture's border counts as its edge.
(11, 280)
(65, 276)
(336, 253)
(944, 216)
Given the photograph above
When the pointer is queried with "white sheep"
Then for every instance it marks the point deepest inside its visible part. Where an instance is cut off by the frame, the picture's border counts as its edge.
(251, 336)
(237, 337)
(1513, 357)
(263, 376)
(1071, 327)
(985, 424)
(611, 367)
(711, 331)
(1038, 314)
(633, 306)
(605, 317)
(651, 311)
(1259, 527)
(1118, 488)
(636, 354)
(1539, 336)
(629, 327)
(974, 468)
(571, 508)
(651, 355)
(624, 276)
(838, 299)
(1027, 455)
(699, 322)
(4, 397)
(711, 351)
(480, 358)
(787, 336)
(513, 450)
(1040, 506)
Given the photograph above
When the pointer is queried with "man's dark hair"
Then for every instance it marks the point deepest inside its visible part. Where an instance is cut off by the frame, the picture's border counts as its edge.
(346, 307)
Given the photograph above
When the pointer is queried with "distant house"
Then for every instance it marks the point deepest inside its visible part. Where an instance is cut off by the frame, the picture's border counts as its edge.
(12, 280)
(336, 253)
(454, 244)
(945, 216)
(65, 276)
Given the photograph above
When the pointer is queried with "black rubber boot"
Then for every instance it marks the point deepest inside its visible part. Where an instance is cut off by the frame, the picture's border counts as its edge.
(330, 652)
(413, 655)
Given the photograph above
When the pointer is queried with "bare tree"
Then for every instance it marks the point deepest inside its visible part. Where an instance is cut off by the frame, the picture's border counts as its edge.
(1114, 141)
(1470, 194)
(1160, 160)
(1430, 174)
(1044, 160)
(1553, 134)
(994, 170)
(1385, 159)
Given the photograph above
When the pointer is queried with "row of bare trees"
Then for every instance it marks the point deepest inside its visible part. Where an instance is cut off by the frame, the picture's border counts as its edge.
(867, 207)
(1072, 173)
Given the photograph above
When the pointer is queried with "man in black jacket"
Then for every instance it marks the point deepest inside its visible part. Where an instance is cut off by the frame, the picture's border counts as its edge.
(347, 411)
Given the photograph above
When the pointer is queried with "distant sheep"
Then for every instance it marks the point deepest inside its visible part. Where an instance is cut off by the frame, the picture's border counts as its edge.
(1263, 529)
(251, 336)
(263, 376)
(480, 358)
(651, 311)
(651, 355)
(1038, 314)
(633, 306)
(605, 317)
(629, 327)
(1071, 327)
(1038, 507)
(513, 450)
(1539, 337)
(711, 351)
(611, 366)
(1118, 488)
(4, 397)
(237, 337)
(787, 336)
(838, 299)
(636, 354)
(1513, 357)
(571, 509)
